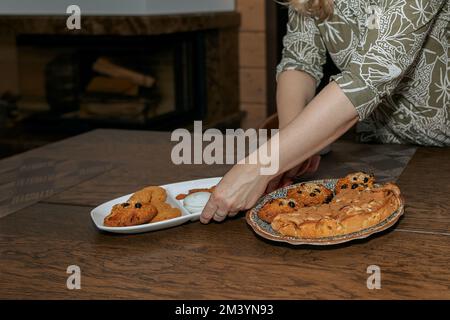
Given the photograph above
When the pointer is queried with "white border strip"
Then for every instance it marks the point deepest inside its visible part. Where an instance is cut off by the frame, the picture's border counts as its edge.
(114, 7)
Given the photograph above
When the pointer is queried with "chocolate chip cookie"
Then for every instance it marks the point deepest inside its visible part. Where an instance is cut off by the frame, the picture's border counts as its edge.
(355, 181)
(310, 194)
(275, 207)
(130, 214)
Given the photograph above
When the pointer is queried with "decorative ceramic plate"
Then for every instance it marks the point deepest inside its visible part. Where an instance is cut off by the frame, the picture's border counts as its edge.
(265, 230)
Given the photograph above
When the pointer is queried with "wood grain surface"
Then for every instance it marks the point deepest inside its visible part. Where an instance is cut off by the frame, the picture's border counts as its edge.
(217, 261)
(425, 184)
(200, 262)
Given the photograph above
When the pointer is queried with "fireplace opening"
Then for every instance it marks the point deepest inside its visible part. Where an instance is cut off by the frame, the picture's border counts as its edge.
(78, 83)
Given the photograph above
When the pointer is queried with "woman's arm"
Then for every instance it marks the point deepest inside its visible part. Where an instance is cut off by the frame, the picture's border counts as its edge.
(298, 73)
(294, 91)
(329, 115)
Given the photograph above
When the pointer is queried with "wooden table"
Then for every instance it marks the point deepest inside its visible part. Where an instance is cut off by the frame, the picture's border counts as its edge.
(217, 261)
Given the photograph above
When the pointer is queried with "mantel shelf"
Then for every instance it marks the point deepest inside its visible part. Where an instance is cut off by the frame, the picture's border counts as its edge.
(119, 25)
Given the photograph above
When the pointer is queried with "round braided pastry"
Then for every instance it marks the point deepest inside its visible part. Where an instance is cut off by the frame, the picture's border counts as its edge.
(351, 210)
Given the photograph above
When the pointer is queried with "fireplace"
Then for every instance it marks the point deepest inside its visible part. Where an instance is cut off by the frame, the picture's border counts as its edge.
(157, 72)
(81, 82)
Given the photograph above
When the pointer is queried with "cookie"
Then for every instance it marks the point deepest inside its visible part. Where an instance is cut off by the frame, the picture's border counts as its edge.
(130, 214)
(357, 180)
(275, 207)
(310, 194)
(149, 194)
(165, 212)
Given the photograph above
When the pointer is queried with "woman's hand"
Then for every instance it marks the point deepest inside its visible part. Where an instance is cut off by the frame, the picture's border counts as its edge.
(243, 185)
(309, 166)
(328, 116)
(239, 190)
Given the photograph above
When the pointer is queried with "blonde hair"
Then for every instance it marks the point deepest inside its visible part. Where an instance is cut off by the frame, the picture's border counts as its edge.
(320, 9)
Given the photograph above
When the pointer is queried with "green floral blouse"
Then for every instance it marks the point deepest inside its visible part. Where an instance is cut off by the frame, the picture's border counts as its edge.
(394, 61)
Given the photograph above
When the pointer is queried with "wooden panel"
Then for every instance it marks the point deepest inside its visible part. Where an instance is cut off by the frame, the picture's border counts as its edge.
(193, 262)
(8, 64)
(253, 85)
(253, 15)
(256, 113)
(252, 58)
(252, 49)
(222, 58)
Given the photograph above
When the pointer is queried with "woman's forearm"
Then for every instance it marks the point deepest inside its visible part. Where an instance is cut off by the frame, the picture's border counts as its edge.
(328, 116)
(295, 90)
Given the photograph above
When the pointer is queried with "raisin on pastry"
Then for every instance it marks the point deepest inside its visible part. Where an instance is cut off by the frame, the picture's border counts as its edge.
(130, 214)
(310, 194)
(275, 207)
(357, 180)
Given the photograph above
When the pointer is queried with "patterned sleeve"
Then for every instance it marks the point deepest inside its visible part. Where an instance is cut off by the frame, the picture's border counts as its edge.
(304, 49)
(386, 52)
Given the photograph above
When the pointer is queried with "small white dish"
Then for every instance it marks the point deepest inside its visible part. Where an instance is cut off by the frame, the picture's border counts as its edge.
(99, 213)
(196, 202)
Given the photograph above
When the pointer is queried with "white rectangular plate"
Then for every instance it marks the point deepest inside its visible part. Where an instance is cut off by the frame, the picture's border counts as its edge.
(98, 214)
